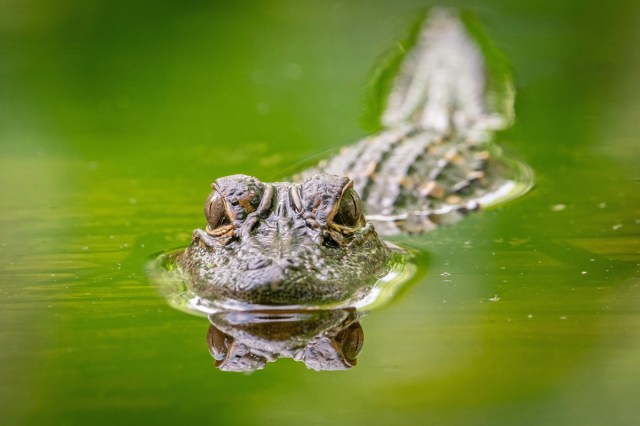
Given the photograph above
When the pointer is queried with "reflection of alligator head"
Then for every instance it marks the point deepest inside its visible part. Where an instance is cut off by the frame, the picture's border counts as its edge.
(323, 340)
(279, 244)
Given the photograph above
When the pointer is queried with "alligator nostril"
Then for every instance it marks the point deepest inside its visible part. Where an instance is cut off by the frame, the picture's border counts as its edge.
(290, 264)
(258, 263)
(269, 277)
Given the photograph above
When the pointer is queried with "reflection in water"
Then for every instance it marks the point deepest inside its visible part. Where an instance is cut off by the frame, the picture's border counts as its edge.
(245, 338)
(322, 339)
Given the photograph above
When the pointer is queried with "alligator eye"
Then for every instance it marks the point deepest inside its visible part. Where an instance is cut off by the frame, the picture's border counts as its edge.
(215, 212)
(348, 212)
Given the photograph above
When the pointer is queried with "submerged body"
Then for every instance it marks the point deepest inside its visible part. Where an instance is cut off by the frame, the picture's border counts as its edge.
(436, 159)
(307, 243)
(413, 181)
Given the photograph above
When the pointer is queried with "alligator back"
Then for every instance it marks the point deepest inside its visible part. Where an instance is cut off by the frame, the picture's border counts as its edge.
(435, 158)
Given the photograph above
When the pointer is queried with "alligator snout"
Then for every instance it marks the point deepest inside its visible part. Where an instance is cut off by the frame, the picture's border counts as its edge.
(287, 263)
(264, 271)
(271, 276)
(259, 263)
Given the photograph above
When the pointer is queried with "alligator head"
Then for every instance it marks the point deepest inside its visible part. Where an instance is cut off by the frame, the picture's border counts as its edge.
(284, 244)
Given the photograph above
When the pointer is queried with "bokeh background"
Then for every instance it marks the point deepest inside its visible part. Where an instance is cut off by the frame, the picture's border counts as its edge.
(115, 116)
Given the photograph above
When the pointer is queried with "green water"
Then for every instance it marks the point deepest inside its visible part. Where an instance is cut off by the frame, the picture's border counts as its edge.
(114, 118)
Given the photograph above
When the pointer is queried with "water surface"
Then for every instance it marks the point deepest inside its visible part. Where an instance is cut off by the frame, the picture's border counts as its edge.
(114, 120)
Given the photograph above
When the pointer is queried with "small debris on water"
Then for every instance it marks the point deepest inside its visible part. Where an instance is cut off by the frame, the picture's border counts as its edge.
(602, 205)
(516, 242)
(563, 317)
(495, 298)
(445, 274)
(616, 226)
(529, 316)
(558, 207)
(584, 272)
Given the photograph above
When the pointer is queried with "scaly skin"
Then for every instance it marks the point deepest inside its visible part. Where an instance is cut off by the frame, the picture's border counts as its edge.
(285, 244)
(308, 244)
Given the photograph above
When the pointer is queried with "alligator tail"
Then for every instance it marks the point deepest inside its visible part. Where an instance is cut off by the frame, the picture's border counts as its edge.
(447, 77)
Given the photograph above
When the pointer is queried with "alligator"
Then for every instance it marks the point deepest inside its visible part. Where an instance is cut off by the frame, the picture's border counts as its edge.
(314, 241)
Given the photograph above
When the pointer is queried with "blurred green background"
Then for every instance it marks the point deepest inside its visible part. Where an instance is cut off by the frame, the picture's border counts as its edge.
(114, 118)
